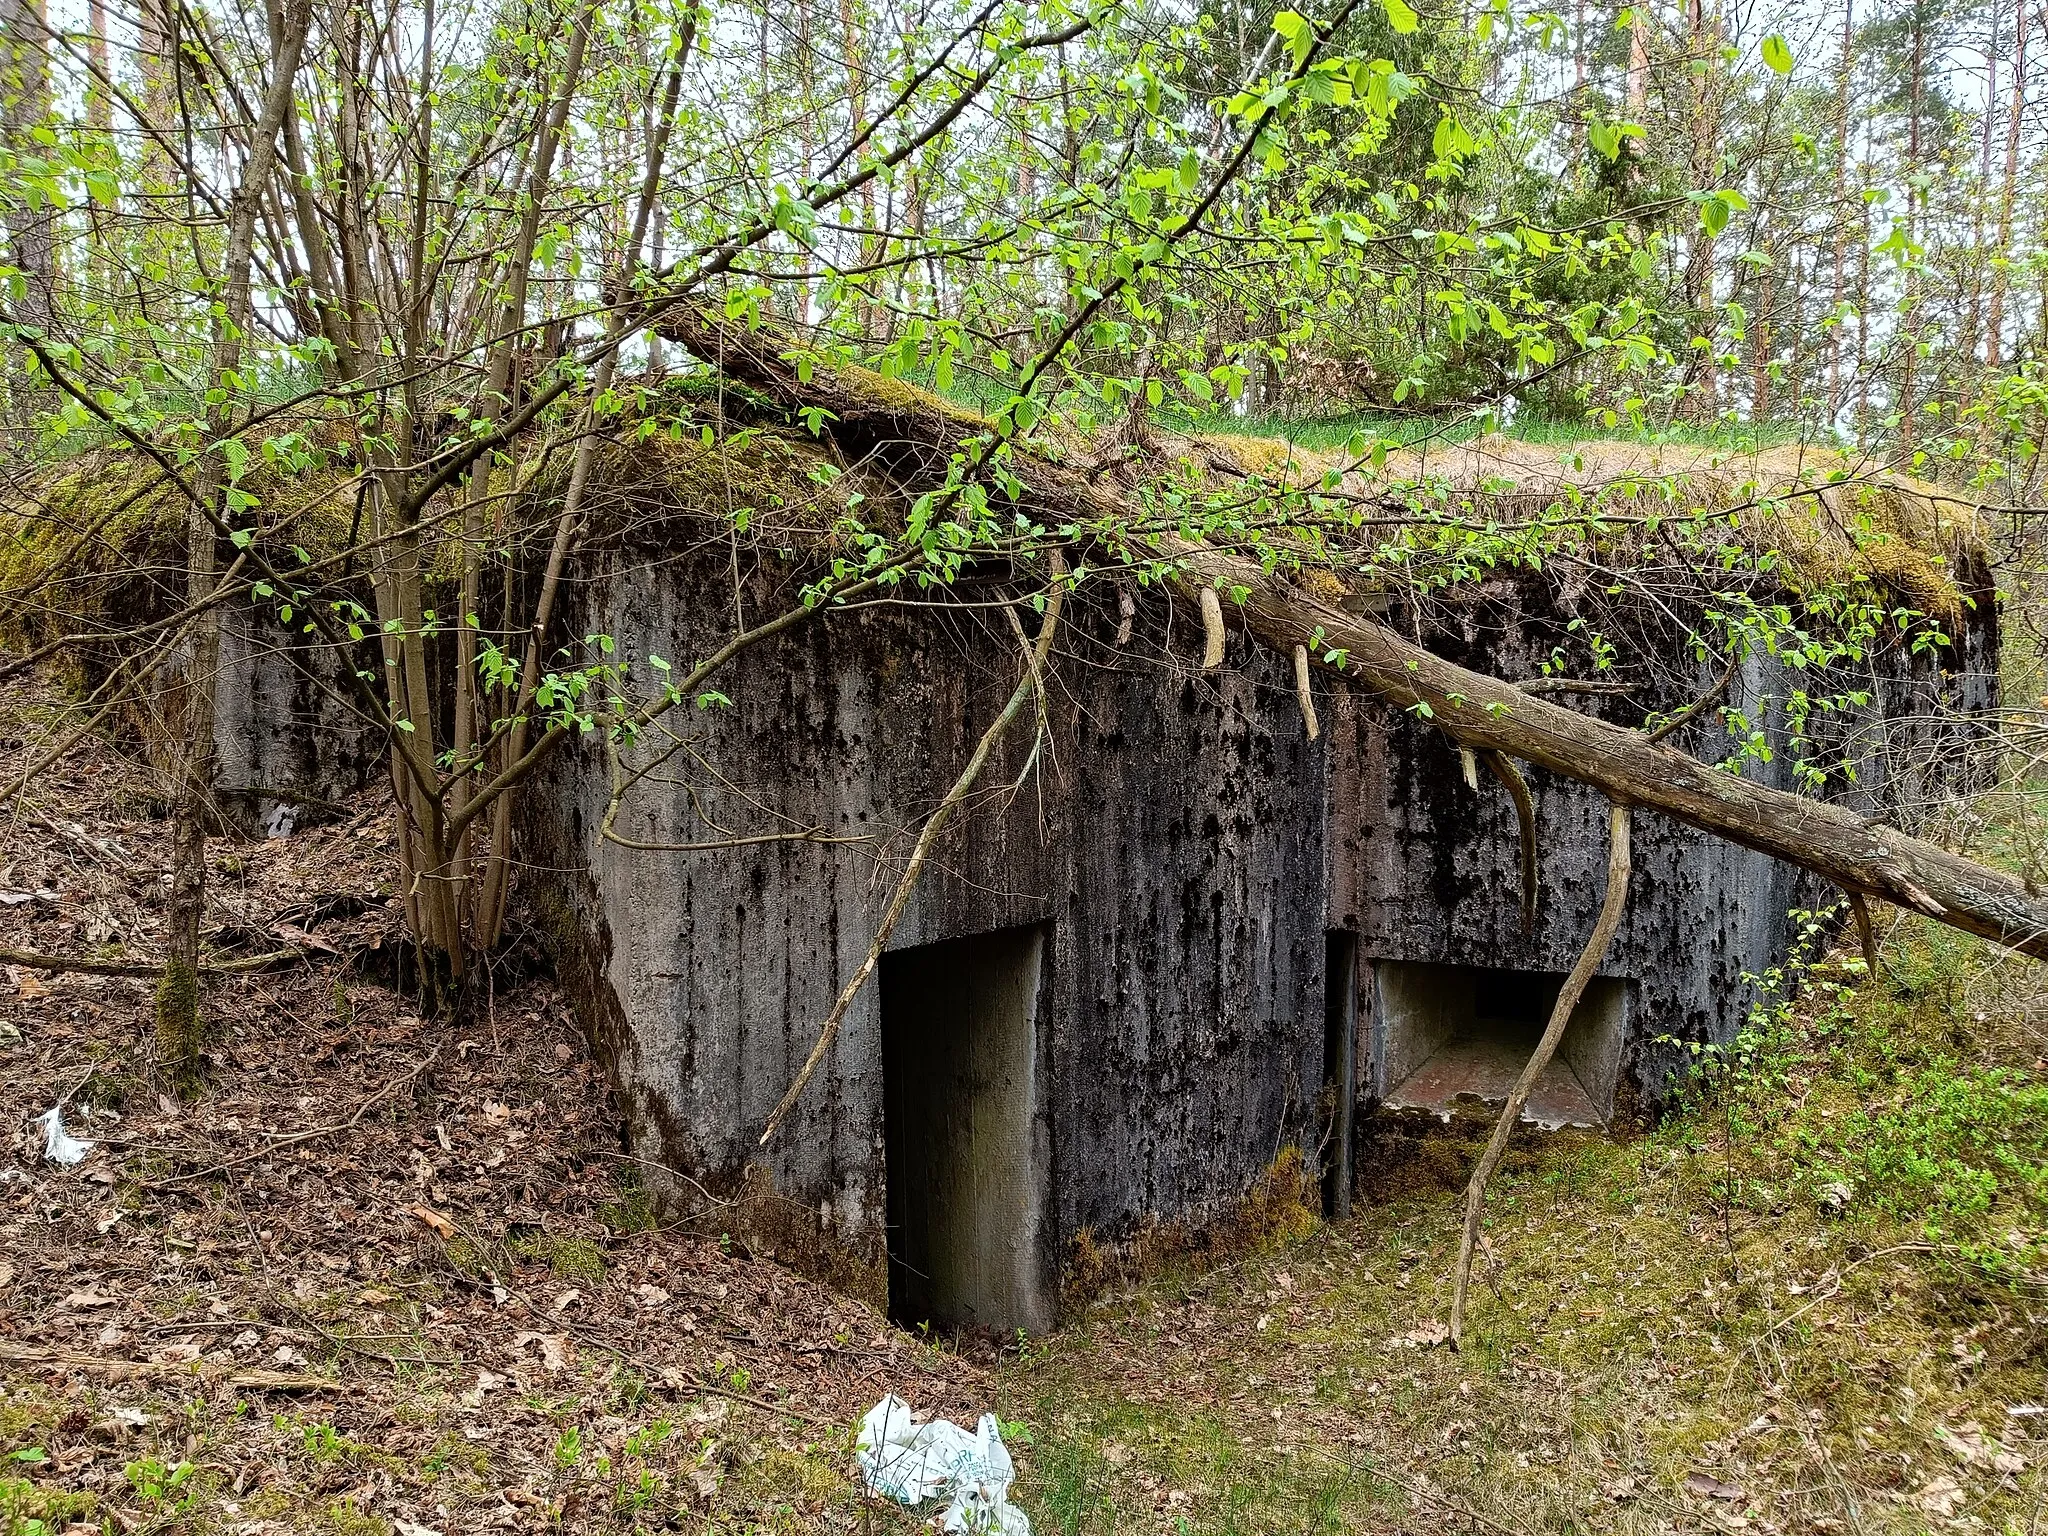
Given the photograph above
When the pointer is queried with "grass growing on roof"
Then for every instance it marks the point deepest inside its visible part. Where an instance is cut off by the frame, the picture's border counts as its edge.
(1328, 433)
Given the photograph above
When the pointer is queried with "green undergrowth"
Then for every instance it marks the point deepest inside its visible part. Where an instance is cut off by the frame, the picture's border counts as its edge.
(1806, 1302)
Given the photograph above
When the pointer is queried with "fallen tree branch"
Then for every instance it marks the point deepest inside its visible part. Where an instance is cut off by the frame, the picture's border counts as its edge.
(1034, 660)
(913, 437)
(1573, 685)
(36, 962)
(1560, 1015)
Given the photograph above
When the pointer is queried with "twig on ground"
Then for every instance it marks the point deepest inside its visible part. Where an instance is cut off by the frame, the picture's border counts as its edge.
(297, 1137)
(36, 962)
(213, 1375)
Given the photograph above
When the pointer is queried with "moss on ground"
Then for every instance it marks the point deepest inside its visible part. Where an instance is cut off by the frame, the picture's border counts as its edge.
(1694, 1330)
(1691, 1331)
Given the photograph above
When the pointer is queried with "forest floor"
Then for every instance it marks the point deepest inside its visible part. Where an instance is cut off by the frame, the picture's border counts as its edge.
(390, 1275)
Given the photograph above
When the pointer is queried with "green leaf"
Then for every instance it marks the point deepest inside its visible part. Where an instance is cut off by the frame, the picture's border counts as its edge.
(1295, 31)
(1777, 55)
(1401, 16)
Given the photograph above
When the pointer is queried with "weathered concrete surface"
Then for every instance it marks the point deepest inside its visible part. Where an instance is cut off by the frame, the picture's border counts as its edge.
(1182, 846)
(1169, 836)
(1426, 868)
(290, 745)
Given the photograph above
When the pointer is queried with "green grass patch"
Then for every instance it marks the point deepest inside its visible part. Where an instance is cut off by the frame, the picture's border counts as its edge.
(1696, 1309)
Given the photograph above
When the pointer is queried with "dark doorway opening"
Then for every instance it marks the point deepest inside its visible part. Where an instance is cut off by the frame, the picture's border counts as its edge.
(1340, 1067)
(965, 1169)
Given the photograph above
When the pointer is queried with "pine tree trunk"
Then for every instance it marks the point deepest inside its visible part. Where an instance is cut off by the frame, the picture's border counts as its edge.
(31, 233)
(1701, 35)
(1994, 309)
(1975, 328)
(1841, 212)
(1909, 310)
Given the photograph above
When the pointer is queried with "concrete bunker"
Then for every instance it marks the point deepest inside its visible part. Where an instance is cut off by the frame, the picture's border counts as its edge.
(964, 1162)
(1196, 941)
(1200, 938)
(1448, 1032)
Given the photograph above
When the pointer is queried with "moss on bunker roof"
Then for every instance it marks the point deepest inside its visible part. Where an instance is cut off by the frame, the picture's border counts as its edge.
(1831, 515)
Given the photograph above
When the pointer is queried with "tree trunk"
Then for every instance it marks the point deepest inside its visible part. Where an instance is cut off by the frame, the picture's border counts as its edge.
(1760, 328)
(1909, 310)
(1843, 115)
(1994, 312)
(1477, 711)
(178, 1026)
(31, 235)
(1636, 101)
(1706, 153)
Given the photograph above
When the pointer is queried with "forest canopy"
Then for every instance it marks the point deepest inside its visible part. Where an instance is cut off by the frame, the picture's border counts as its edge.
(372, 297)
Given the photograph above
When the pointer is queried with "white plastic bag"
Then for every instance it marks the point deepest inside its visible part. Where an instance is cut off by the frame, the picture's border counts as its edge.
(910, 1461)
(59, 1145)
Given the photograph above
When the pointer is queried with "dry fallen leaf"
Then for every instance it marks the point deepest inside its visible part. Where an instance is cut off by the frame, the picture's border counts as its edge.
(712, 1411)
(433, 1218)
(651, 1295)
(292, 934)
(556, 1350)
(1428, 1336)
(80, 1300)
(1710, 1487)
(26, 984)
(497, 1113)
(1966, 1442)
(1939, 1497)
